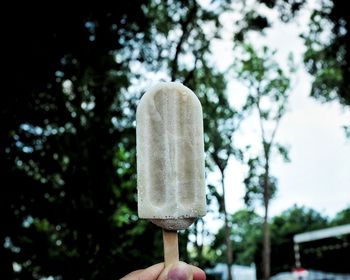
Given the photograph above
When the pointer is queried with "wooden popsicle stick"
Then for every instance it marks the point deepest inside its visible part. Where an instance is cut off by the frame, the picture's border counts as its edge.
(171, 247)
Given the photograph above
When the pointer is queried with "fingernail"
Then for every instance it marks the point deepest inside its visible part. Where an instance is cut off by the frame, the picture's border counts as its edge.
(177, 273)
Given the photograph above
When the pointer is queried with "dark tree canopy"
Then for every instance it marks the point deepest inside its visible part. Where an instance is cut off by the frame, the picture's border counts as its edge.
(68, 193)
(327, 56)
(67, 150)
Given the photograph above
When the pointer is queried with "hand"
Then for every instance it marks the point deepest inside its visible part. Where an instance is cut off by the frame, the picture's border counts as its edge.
(177, 271)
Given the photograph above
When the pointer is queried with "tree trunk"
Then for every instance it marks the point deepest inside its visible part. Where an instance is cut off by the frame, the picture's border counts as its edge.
(227, 231)
(266, 229)
(266, 247)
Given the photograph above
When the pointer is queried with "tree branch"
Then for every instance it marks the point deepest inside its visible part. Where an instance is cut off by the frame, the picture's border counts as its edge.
(263, 134)
(185, 32)
(278, 121)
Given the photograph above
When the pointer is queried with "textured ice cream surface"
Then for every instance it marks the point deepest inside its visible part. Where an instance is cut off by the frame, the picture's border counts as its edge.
(174, 224)
(170, 155)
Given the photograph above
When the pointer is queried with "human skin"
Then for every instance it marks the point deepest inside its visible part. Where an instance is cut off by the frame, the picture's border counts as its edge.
(177, 271)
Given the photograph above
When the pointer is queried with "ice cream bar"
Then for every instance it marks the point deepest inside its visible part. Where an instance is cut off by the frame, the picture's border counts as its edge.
(170, 156)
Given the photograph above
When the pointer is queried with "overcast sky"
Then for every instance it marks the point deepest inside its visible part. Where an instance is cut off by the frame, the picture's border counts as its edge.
(318, 175)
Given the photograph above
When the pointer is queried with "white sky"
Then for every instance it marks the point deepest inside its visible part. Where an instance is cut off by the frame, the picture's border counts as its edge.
(318, 175)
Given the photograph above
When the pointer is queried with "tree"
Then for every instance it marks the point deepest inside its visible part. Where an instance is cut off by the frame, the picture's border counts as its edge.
(328, 59)
(219, 118)
(294, 220)
(256, 18)
(209, 85)
(245, 234)
(268, 88)
(342, 217)
(327, 42)
(220, 128)
(68, 195)
(328, 253)
(68, 155)
(219, 124)
(181, 51)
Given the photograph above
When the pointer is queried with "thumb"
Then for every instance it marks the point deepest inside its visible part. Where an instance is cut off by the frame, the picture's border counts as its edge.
(177, 271)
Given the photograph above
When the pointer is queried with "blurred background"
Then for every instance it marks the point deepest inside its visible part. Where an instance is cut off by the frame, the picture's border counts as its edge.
(273, 80)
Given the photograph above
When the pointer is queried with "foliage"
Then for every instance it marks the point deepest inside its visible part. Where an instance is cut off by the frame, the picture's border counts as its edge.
(257, 15)
(67, 149)
(327, 42)
(246, 235)
(220, 122)
(68, 197)
(246, 232)
(268, 89)
(284, 226)
(327, 53)
(342, 217)
(297, 219)
(254, 182)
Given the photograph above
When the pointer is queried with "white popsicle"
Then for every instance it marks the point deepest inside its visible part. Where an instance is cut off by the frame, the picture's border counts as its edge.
(170, 156)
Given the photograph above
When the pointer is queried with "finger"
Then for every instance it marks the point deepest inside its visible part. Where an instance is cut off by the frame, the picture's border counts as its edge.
(180, 271)
(150, 273)
(132, 275)
(198, 274)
